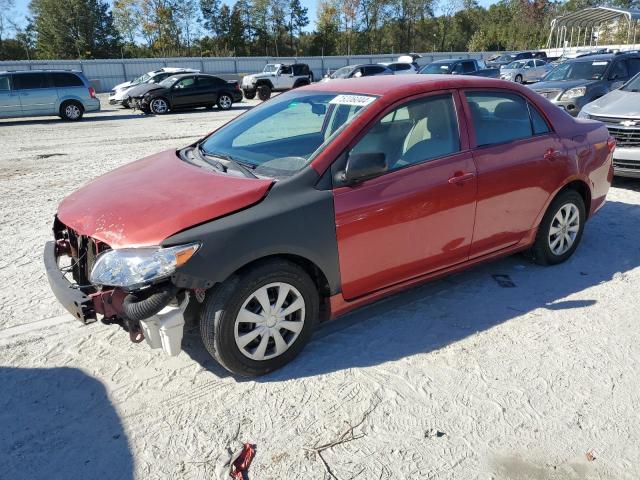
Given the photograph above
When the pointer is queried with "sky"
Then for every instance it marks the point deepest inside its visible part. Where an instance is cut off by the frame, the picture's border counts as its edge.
(21, 9)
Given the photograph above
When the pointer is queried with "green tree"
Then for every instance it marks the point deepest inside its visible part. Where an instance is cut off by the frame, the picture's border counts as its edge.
(298, 19)
(74, 29)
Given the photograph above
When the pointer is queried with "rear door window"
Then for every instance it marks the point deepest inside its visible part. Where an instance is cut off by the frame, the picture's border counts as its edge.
(61, 79)
(209, 82)
(4, 83)
(373, 70)
(468, 67)
(499, 117)
(28, 81)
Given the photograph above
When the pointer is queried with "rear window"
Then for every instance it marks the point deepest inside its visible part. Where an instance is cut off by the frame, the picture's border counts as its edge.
(67, 80)
(26, 81)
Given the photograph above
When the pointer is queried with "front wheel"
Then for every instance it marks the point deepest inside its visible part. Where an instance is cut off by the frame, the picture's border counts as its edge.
(560, 230)
(159, 106)
(260, 320)
(264, 92)
(249, 94)
(224, 102)
(518, 79)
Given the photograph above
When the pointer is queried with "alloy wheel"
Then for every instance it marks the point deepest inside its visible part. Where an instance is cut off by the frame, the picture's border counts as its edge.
(225, 102)
(159, 106)
(72, 111)
(564, 229)
(269, 321)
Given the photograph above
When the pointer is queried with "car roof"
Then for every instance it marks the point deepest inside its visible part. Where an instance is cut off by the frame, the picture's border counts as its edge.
(57, 70)
(399, 86)
(449, 60)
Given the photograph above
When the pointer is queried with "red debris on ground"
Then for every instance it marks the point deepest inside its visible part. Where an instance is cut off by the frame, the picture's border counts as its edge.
(242, 462)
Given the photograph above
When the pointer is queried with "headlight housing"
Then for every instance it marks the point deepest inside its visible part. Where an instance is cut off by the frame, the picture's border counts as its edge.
(135, 267)
(583, 114)
(574, 93)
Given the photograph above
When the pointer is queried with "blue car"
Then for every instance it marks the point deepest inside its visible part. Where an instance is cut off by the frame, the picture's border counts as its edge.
(33, 93)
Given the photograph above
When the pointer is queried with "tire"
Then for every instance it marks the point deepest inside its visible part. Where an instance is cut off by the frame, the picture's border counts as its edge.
(300, 83)
(221, 327)
(225, 102)
(71, 111)
(518, 78)
(249, 94)
(159, 106)
(545, 250)
(125, 104)
(264, 92)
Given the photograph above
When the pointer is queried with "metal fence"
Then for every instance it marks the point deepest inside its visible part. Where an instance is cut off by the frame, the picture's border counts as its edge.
(104, 74)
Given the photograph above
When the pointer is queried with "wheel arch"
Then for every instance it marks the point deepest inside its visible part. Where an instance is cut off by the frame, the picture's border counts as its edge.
(582, 188)
(264, 81)
(69, 98)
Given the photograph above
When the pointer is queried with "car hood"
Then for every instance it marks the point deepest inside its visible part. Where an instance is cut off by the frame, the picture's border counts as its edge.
(120, 86)
(141, 90)
(144, 202)
(562, 84)
(617, 103)
(259, 75)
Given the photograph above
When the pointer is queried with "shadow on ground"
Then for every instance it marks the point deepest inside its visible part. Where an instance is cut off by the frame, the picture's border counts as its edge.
(431, 316)
(58, 423)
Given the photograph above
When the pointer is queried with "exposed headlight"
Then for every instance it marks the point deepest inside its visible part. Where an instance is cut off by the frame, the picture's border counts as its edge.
(135, 267)
(574, 93)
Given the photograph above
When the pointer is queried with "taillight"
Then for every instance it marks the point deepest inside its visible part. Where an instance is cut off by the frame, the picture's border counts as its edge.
(92, 92)
(611, 144)
(237, 87)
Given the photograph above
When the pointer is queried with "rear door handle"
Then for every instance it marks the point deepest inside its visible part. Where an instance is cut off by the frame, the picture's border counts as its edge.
(460, 178)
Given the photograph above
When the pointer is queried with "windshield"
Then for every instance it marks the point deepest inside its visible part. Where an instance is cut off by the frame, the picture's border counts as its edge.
(141, 79)
(632, 85)
(167, 82)
(582, 70)
(271, 68)
(514, 65)
(506, 58)
(281, 136)
(437, 68)
(342, 72)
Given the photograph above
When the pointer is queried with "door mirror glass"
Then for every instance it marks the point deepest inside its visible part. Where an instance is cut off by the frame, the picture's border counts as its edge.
(361, 166)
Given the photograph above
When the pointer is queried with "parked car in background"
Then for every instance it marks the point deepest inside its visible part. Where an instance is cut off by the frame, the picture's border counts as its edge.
(276, 77)
(356, 71)
(401, 68)
(619, 110)
(279, 220)
(574, 83)
(468, 66)
(507, 58)
(187, 91)
(525, 71)
(32, 93)
(119, 95)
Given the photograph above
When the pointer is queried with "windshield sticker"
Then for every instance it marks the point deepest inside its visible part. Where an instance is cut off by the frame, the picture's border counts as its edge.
(356, 100)
(599, 63)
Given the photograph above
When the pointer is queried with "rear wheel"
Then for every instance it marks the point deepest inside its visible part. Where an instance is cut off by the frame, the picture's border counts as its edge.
(224, 102)
(159, 106)
(71, 111)
(259, 320)
(561, 229)
(264, 92)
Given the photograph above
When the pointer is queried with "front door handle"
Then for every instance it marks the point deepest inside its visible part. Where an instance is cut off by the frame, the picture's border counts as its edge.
(459, 178)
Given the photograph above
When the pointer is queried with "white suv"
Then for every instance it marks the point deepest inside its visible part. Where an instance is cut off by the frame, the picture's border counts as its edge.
(276, 77)
(120, 93)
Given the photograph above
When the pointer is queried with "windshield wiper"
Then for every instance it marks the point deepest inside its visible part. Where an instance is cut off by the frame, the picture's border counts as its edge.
(242, 168)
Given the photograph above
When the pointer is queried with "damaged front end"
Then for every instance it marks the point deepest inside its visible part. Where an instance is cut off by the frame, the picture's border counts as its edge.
(128, 287)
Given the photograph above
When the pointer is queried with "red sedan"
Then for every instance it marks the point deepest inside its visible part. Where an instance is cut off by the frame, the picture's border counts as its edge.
(321, 200)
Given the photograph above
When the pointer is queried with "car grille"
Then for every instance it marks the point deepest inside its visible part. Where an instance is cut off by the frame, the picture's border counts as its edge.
(627, 164)
(550, 94)
(626, 133)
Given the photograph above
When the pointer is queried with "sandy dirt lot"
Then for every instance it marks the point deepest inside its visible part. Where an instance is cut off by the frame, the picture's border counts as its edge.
(461, 378)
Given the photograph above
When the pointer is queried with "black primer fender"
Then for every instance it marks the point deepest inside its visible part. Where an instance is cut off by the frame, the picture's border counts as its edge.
(264, 81)
(296, 217)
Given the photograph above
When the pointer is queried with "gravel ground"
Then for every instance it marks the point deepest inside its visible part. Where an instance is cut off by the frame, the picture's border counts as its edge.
(460, 378)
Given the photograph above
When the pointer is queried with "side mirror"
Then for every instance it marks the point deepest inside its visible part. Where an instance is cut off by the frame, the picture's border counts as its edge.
(616, 85)
(362, 166)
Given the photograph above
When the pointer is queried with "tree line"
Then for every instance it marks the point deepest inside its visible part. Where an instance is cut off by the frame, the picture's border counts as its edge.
(81, 29)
